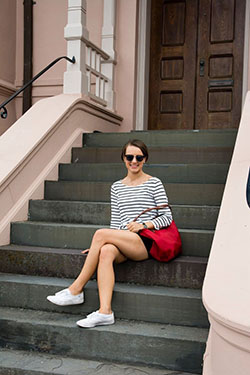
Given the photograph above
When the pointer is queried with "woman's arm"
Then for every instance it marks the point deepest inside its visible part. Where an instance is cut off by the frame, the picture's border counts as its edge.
(115, 222)
(165, 216)
(134, 226)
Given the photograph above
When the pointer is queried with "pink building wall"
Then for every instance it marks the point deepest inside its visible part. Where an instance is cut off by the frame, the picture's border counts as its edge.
(125, 80)
(8, 40)
(49, 20)
(7, 58)
(95, 20)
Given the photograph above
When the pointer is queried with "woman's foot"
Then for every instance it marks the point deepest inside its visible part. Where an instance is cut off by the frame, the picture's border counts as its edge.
(96, 319)
(65, 298)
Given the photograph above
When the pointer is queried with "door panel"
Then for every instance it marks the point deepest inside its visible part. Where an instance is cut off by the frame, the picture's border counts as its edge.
(220, 46)
(222, 20)
(196, 63)
(172, 71)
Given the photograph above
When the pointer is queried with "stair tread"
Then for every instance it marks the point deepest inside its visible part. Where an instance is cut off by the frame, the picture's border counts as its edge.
(107, 203)
(107, 184)
(170, 131)
(196, 242)
(215, 137)
(179, 173)
(121, 326)
(31, 363)
(161, 147)
(128, 288)
(149, 165)
(184, 271)
(69, 251)
(82, 212)
(77, 225)
(178, 193)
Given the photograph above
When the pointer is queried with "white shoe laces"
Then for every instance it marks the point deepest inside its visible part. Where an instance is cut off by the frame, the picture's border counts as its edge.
(94, 313)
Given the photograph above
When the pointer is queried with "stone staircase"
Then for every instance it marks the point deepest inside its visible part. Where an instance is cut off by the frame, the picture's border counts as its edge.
(161, 325)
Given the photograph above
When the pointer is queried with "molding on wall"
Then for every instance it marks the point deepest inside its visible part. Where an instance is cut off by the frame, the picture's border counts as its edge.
(44, 88)
(7, 88)
(142, 84)
(245, 87)
(43, 82)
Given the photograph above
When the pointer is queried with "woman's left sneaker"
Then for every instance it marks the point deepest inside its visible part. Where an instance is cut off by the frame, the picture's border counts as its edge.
(96, 319)
(66, 298)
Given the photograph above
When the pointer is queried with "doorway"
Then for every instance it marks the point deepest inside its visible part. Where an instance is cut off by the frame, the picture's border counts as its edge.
(196, 64)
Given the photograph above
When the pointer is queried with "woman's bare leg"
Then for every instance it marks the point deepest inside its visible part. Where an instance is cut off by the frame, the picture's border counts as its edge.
(106, 277)
(128, 243)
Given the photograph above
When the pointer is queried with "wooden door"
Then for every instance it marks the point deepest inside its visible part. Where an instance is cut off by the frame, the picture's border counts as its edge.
(196, 63)
(172, 64)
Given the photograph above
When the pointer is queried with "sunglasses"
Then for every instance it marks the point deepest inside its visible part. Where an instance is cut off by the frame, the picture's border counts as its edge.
(139, 158)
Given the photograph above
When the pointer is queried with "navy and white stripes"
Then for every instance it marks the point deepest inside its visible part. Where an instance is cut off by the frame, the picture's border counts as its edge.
(127, 202)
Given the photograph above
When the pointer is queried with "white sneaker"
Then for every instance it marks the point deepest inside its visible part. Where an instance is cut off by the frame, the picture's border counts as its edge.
(96, 319)
(65, 298)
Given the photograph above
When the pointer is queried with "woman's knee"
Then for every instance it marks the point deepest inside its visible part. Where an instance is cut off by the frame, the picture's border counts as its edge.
(108, 253)
(100, 234)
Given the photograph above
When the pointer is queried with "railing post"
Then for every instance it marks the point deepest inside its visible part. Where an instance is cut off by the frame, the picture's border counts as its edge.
(75, 78)
(108, 45)
(27, 52)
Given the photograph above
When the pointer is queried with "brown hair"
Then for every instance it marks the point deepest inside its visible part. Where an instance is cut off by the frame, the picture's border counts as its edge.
(137, 143)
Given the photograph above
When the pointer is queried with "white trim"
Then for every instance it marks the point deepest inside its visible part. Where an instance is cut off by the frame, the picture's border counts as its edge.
(246, 53)
(142, 84)
(108, 45)
(109, 28)
(75, 32)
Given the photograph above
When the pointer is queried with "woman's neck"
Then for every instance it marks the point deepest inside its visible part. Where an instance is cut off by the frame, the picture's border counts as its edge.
(135, 179)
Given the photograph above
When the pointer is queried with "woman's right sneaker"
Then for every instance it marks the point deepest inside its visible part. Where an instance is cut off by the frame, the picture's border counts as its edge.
(96, 319)
(66, 298)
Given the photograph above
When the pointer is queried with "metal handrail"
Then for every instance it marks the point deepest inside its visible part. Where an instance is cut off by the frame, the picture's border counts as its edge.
(4, 112)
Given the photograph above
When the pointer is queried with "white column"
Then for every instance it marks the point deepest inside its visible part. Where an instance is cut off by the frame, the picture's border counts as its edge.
(75, 78)
(108, 45)
(143, 57)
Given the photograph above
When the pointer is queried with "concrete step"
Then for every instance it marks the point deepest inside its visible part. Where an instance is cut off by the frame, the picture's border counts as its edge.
(134, 302)
(174, 173)
(78, 236)
(188, 194)
(172, 347)
(195, 217)
(166, 138)
(158, 155)
(18, 362)
(182, 272)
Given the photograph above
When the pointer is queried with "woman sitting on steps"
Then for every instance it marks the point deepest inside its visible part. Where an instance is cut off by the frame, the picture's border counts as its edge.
(129, 197)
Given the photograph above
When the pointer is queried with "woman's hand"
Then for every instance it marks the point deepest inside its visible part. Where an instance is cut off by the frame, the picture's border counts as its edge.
(134, 227)
(85, 251)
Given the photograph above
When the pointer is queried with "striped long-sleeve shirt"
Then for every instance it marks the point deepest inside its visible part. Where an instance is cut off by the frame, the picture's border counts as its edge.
(127, 202)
